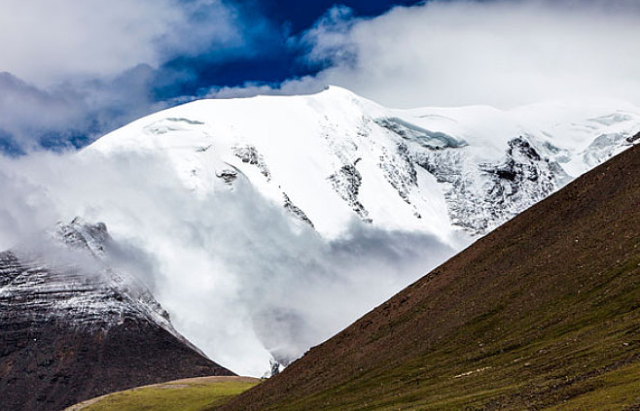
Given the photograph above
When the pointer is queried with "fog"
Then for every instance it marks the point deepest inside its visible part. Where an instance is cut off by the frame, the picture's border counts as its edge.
(240, 278)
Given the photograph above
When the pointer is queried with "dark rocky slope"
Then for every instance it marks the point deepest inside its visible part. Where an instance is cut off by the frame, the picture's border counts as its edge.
(542, 313)
(72, 328)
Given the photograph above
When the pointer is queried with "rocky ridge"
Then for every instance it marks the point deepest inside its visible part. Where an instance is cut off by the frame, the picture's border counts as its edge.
(72, 328)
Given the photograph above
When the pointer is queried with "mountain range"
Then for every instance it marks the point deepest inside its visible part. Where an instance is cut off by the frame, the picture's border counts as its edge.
(267, 192)
(333, 156)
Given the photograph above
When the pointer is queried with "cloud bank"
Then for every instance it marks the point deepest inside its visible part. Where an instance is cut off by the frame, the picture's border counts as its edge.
(454, 53)
(501, 53)
(239, 277)
(71, 115)
(72, 71)
(48, 42)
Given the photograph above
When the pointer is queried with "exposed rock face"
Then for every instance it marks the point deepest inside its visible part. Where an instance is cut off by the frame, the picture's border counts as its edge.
(481, 196)
(71, 328)
(523, 179)
(295, 210)
(249, 154)
(346, 182)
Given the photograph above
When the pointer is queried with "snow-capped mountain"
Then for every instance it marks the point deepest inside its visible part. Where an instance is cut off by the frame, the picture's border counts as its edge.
(67, 320)
(275, 221)
(332, 156)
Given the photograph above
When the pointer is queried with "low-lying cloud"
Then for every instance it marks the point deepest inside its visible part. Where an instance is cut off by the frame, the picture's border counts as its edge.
(502, 53)
(241, 279)
(453, 53)
(71, 71)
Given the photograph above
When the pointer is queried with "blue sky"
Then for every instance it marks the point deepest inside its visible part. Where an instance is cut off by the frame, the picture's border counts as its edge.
(72, 71)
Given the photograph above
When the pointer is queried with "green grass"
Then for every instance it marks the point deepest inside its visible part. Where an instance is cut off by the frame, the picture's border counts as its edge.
(617, 391)
(184, 395)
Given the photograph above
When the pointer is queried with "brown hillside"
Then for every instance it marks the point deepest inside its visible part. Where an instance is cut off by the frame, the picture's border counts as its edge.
(544, 312)
(50, 367)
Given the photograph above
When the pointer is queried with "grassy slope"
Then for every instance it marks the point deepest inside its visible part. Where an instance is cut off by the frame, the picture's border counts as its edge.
(195, 394)
(544, 313)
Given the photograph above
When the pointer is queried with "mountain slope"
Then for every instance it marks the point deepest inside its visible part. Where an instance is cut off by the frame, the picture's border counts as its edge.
(72, 328)
(542, 313)
(298, 179)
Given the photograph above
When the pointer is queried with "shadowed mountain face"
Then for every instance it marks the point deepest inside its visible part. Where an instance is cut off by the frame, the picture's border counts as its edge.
(543, 312)
(72, 328)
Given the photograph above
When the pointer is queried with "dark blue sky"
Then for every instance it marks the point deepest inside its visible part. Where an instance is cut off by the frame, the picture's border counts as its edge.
(301, 14)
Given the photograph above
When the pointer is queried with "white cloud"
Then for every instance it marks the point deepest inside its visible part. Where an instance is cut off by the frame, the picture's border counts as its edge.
(46, 42)
(502, 53)
(306, 85)
(25, 205)
(239, 279)
(83, 110)
(78, 69)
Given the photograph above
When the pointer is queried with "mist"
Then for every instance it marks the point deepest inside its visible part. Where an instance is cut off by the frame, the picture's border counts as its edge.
(240, 278)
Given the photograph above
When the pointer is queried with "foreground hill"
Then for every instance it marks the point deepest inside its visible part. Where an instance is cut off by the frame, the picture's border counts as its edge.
(542, 313)
(72, 327)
